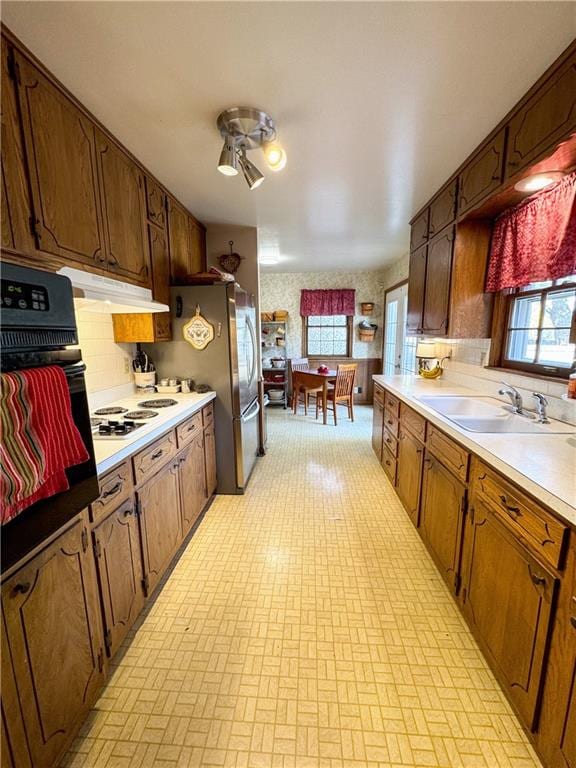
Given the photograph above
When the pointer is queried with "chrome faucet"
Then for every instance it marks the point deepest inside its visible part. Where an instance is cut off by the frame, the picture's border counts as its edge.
(514, 395)
(541, 404)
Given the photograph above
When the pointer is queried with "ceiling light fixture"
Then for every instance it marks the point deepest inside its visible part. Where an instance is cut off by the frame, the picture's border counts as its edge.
(243, 129)
(538, 181)
(228, 163)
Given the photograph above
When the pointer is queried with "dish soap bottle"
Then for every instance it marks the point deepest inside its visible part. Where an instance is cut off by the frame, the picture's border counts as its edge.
(572, 383)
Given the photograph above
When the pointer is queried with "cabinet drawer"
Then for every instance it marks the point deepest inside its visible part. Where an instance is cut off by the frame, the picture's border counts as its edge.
(532, 524)
(390, 441)
(378, 395)
(115, 487)
(189, 429)
(419, 230)
(389, 464)
(391, 423)
(208, 414)
(392, 404)
(152, 458)
(413, 422)
(453, 456)
(443, 209)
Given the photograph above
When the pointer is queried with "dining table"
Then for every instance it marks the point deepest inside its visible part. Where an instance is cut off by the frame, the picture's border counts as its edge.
(311, 378)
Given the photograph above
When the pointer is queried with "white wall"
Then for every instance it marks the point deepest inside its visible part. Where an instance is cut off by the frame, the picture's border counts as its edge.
(281, 290)
(108, 364)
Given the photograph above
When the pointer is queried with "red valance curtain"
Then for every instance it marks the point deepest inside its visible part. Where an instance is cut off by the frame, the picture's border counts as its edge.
(328, 302)
(535, 241)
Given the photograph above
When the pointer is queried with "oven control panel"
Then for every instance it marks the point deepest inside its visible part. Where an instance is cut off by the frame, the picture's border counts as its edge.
(17, 295)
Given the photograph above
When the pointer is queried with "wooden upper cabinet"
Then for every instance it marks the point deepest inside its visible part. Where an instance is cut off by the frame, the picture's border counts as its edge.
(438, 276)
(156, 203)
(442, 209)
(416, 288)
(482, 175)
(504, 588)
(16, 210)
(124, 207)
(60, 147)
(179, 238)
(197, 261)
(54, 634)
(419, 230)
(547, 117)
(160, 264)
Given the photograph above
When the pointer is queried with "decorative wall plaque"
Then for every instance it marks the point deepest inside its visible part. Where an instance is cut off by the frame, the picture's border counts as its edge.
(230, 261)
(198, 331)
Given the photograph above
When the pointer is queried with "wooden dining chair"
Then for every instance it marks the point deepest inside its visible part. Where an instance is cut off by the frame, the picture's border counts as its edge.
(342, 393)
(301, 364)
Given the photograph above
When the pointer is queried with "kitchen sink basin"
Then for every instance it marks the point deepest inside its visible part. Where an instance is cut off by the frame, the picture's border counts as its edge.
(487, 414)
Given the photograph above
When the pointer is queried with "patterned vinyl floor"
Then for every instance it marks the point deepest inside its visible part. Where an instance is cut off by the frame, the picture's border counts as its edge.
(304, 626)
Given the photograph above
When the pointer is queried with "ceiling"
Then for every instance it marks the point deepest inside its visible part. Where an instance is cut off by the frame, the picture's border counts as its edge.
(376, 103)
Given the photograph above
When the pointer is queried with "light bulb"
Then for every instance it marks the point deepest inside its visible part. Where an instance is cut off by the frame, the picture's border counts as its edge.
(228, 163)
(275, 155)
(538, 181)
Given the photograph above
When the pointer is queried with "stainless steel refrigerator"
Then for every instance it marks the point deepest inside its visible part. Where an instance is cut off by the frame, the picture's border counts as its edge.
(229, 365)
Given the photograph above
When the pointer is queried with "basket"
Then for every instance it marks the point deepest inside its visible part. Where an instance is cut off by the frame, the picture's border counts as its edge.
(267, 317)
(367, 307)
(281, 315)
(367, 334)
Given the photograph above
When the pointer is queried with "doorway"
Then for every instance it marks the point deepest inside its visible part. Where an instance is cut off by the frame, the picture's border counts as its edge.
(399, 353)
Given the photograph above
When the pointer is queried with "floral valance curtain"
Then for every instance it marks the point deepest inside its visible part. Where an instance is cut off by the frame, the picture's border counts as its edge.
(328, 302)
(535, 241)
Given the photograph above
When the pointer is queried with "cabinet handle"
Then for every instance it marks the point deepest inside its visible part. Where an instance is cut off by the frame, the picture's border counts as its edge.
(22, 588)
(495, 178)
(573, 621)
(111, 491)
(536, 579)
(514, 512)
(419, 450)
(513, 163)
(191, 427)
(157, 454)
(182, 460)
(129, 511)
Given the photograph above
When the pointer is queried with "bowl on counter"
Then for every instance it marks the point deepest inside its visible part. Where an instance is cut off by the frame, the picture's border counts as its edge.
(167, 390)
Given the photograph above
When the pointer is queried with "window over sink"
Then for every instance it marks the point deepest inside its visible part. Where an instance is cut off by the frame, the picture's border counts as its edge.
(540, 327)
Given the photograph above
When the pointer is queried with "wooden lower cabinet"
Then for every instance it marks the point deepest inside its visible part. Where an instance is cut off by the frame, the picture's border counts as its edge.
(210, 459)
(378, 422)
(119, 563)
(55, 642)
(409, 472)
(193, 493)
(441, 517)
(160, 522)
(507, 598)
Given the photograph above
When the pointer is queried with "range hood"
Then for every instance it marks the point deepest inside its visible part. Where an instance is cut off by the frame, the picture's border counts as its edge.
(96, 293)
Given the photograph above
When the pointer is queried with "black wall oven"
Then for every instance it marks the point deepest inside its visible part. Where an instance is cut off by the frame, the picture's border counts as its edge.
(37, 324)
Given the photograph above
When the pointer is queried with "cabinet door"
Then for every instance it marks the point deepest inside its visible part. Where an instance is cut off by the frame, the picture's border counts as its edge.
(159, 505)
(197, 258)
(119, 564)
(438, 274)
(507, 597)
(156, 201)
(409, 473)
(547, 118)
(210, 459)
(441, 517)
(14, 748)
(55, 638)
(482, 175)
(192, 482)
(419, 230)
(442, 209)
(60, 148)
(160, 264)
(567, 709)
(122, 194)
(16, 210)
(179, 239)
(416, 287)
(377, 426)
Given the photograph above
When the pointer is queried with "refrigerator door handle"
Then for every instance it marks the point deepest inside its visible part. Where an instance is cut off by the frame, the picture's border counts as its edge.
(253, 360)
(251, 414)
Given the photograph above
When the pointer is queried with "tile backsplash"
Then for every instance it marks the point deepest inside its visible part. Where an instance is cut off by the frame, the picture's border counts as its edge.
(466, 368)
(108, 364)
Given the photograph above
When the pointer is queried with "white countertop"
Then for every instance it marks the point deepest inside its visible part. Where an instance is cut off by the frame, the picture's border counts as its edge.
(110, 452)
(544, 465)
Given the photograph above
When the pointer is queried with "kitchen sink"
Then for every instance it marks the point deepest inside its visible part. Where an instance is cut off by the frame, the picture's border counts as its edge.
(487, 414)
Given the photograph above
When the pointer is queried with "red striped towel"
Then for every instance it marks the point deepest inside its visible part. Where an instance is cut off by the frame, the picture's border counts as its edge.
(39, 438)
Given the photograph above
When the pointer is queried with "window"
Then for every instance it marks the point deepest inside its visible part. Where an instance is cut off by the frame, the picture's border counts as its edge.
(540, 328)
(327, 336)
(399, 349)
